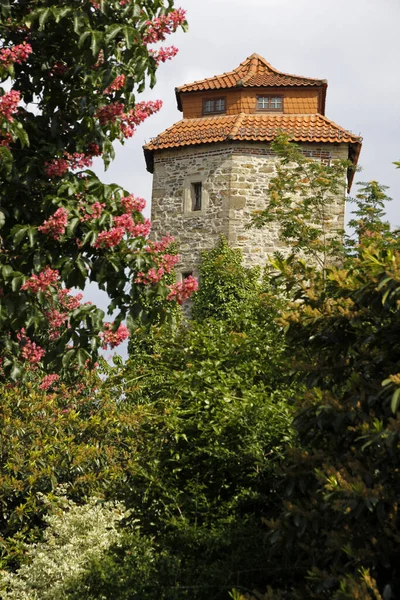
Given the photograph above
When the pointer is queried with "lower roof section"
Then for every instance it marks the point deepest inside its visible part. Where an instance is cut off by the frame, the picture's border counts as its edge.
(252, 128)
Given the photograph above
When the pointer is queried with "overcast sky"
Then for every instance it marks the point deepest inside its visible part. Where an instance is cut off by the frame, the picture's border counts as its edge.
(354, 44)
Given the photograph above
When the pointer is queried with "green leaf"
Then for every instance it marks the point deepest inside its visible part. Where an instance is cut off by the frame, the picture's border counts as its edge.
(15, 372)
(44, 15)
(395, 401)
(112, 32)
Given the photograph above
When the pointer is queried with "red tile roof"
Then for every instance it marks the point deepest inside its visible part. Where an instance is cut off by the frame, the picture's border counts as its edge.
(252, 128)
(255, 71)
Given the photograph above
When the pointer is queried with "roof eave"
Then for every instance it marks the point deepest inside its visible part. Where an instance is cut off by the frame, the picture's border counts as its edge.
(178, 99)
(149, 158)
(354, 154)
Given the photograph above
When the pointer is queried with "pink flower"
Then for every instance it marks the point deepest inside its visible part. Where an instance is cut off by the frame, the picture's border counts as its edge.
(40, 283)
(132, 204)
(56, 320)
(59, 166)
(163, 26)
(16, 54)
(56, 168)
(117, 84)
(94, 150)
(152, 276)
(48, 381)
(113, 338)
(56, 225)
(127, 121)
(30, 352)
(109, 239)
(110, 112)
(96, 209)
(59, 69)
(183, 290)
(9, 104)
(156, 247)
(164, 54)
(68, 302)
(125, 221)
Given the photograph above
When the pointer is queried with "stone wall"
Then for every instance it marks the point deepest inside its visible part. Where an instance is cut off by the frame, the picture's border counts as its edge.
(235, 179)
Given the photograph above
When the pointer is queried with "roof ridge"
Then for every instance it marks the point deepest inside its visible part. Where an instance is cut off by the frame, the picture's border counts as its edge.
(251, 67)
(236, 126)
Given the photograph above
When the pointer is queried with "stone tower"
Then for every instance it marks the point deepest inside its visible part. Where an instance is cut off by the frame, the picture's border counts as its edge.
(211, 170)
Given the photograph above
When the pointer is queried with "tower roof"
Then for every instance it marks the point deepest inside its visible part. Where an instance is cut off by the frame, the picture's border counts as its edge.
(252, 128)
(255, 71)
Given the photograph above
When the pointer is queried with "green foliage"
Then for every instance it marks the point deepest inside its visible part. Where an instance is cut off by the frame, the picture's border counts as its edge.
(227, 288)
(81, 438)
(338, 529)
(215, 424)
(368, 224)
(300, 197)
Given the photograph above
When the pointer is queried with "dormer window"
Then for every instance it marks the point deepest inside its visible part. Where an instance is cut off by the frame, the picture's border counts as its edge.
(270, 103)
(213, 106)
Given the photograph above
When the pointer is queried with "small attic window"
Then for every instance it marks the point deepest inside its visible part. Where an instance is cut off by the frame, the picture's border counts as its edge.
(213, 106)
(270, 103)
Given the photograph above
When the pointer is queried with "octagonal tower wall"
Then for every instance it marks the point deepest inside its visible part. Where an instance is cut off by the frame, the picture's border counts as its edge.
(234, 182)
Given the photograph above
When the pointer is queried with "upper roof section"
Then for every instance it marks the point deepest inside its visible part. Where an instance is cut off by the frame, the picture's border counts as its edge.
(254, 72)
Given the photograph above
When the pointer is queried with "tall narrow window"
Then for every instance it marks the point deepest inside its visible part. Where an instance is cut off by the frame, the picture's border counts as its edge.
(197, 193)
(270, 103)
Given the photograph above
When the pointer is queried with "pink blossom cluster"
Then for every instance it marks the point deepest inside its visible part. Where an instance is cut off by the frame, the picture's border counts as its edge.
(163, 26)
(124, 224)
(77, 160)
(68, 302)
(110, 113)
(56, 168)
(56, 320)
(183, 290)
(48, 381)
(109, 239)
(135, 229)
(96, 210)
(100, 58)
(17, 54)
(94, 150)
(6, 138)
(41, 283)
(117, 84)
(30, 352)
(59, 69)
(165, 264)
(9, 104)
(113, 338)
(161, 246)
(127, 121)
(164, 54)
(153, 275)
(132, 204)
(56, 225)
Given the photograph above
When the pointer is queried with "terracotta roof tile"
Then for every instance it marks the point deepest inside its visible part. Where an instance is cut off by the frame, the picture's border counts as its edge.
(251, 127)
(255, 71)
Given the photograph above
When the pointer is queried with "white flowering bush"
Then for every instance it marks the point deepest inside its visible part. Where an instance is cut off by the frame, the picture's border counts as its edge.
(75, 536)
